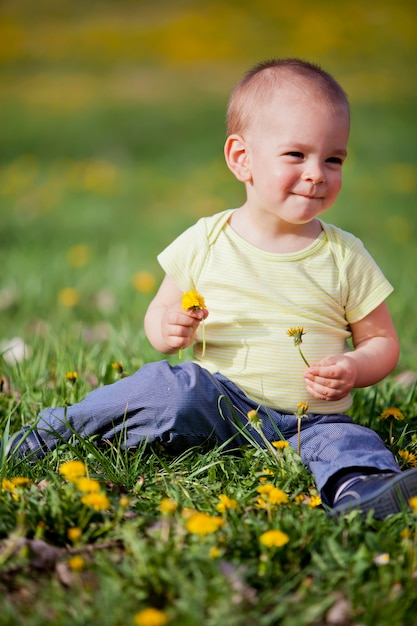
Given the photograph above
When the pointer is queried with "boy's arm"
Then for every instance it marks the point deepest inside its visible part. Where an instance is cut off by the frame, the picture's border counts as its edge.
(374, 357)
(167, 326)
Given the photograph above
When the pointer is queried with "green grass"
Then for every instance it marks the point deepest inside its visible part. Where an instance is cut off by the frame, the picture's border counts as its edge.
(112, 132)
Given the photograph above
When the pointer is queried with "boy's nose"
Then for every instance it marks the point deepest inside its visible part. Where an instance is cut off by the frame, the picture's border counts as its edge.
(314, 173)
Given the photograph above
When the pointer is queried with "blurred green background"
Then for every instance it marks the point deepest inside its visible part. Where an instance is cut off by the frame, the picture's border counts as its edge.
(112, 130)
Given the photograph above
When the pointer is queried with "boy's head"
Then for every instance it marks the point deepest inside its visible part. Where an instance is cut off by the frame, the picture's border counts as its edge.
(288, 128)
(260, 84)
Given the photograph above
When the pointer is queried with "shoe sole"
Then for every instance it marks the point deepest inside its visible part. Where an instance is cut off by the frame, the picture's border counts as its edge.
(390, 499)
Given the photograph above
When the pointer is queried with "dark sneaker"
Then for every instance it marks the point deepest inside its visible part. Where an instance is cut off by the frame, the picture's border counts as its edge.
(27, 443)
(384, 494)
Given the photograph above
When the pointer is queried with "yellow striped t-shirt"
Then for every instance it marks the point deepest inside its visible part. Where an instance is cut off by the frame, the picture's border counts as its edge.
(254, 297)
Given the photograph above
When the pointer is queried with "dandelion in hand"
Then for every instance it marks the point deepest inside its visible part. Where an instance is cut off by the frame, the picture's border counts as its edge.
(194, 301)
(297, 333)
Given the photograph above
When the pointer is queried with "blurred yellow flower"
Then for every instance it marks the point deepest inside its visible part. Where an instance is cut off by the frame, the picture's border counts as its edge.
(97, 501)
(144, 282)
(151, 617)
(88, 485)
(69, 297)
(225, 503)
(124, 502)
(280, 445)
(20, 481)
(265, 488)
(408, 457)
(79, 255)
(314, 502)
(7, 485)
(76, 563)
(413, 503)
(203, 524)
(73, 470)
(74, 533)
(392, 413)
(167, 506)
(214, 552)
(71, 377)
(118, 366)
(261, 503)
(274, 538)
(277, 496)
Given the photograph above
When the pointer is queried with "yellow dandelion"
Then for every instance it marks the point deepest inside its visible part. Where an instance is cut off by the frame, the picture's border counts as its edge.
(203, 524)
(151, 617)
(76, 563)
(413, 503)
(274, 538)
(144, 282)
(408, 457)
(280, 445)
(167, 506)
(87, 485)
(118, 366)
(97, 501)
(297, 333)
(73, 470)
(277, 496)
(193, 300)
(214, 552)
(299, 498)
(405, 533)
(314, 502)
(7, 485)
(71, 377)
(265, 488)
(74, 533)
(254, 419)
(392, 414)
(69, 297)
(20, 481)
(261, 503)
(225, 503)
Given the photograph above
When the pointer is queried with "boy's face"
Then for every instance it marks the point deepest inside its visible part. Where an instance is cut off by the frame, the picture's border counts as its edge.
(295, 149)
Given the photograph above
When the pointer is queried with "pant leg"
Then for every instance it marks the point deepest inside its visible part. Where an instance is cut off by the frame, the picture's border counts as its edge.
(177, 406)
(333, 443)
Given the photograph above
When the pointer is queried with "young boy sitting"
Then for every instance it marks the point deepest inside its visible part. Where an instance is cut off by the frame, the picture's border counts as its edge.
(264, 268)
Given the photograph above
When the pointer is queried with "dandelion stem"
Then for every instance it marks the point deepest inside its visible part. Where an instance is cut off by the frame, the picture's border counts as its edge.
(203, 331)
(303, 357)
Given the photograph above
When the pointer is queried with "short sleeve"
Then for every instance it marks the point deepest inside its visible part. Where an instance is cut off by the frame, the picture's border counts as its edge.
(367, 285)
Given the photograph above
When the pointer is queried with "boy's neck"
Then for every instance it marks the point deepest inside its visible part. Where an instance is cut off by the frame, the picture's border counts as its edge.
(273, 235)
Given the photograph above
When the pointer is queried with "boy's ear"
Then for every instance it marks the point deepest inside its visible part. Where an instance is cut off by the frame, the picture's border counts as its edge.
(236, 155)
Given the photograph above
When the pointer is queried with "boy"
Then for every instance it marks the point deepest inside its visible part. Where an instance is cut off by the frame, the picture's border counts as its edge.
(264, 268)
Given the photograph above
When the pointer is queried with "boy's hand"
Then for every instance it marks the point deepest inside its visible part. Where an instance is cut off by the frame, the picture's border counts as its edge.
(332, 378)
(178, 327)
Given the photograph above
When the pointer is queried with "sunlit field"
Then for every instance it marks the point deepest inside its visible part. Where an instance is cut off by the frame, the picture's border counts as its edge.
(111, 133)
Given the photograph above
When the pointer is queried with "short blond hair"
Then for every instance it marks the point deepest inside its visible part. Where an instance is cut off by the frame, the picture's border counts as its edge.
(262, 81)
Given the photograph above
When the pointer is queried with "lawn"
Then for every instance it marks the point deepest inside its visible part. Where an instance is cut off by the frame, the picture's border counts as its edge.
(112, 133)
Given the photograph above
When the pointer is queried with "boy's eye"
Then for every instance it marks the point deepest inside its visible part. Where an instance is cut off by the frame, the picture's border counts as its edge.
(297, 155)
(336, 160)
